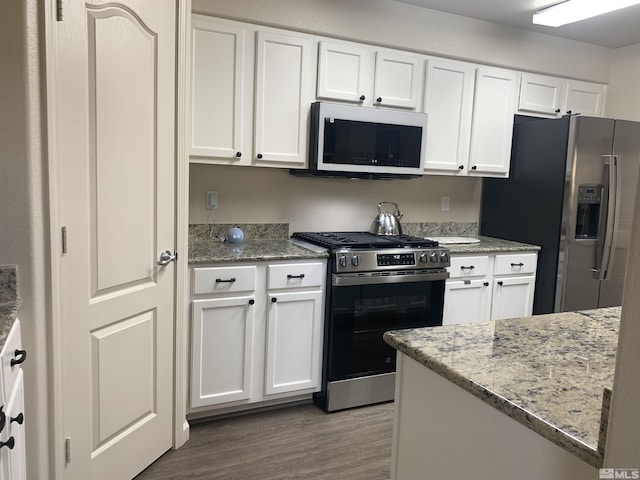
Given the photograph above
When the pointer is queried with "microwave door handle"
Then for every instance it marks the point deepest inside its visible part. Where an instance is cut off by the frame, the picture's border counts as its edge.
(613, 211)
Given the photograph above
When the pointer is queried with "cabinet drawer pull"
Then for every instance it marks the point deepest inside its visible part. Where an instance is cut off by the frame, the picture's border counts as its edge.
(252, 301)
(500, 283)
(220, 280)
(10, 443)
(517, 264)
(296, 276)
(19, 357)
(274, 300)
(467, 268)
(19, 419)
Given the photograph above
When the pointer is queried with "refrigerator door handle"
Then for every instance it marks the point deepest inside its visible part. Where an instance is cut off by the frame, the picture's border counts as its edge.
(613, 212)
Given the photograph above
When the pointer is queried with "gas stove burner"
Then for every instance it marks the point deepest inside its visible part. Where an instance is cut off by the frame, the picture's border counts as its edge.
(364, 240)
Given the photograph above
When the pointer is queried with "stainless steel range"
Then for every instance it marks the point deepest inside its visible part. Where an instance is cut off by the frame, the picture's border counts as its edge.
(375, 283)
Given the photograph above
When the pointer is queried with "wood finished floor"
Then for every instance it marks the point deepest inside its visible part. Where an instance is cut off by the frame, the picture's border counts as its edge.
(300, 442)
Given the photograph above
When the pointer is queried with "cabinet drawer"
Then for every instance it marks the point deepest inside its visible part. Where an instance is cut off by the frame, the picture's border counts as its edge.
(224, 280)
(9, 373)
(516, 263)
(469, 266)
(295, 275)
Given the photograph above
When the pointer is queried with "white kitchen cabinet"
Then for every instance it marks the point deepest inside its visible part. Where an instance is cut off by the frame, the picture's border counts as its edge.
(489, 287)
(584, 98)
(13, 464)
(492, 123)
(449, 105)
(283, 89)
(541, 94)
(256, 333)
(251, 88)
(546, 96)
(221, 350)
(219, 56)
(350, 72)
(293, 346)
(512, 297)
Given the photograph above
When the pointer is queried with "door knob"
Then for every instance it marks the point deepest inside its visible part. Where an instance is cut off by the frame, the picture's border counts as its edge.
(166, 257)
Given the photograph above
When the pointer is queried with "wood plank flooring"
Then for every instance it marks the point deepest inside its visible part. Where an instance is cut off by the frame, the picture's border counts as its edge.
(299, 442)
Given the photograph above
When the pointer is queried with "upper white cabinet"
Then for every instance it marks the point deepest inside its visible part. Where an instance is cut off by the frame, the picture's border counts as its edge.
(545, 96)
(283, 94)
(349, 72)
(584, 98)
(449, 105)
(251, 88)
(494, 104)
(470, 119)
(218, 54)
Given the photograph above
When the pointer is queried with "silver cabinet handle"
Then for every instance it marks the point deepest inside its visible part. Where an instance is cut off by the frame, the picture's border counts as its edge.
(166, 257)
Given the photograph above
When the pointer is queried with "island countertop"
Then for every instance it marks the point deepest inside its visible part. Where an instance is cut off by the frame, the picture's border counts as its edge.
(547, 372)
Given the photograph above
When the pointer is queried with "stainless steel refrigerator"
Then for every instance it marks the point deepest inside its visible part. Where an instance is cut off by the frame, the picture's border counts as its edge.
(571, 189)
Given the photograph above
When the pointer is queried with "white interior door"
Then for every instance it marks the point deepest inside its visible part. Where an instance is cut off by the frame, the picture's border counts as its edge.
(113, 121)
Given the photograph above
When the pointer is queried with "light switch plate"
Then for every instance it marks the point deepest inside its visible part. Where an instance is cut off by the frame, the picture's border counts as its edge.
(445, 204)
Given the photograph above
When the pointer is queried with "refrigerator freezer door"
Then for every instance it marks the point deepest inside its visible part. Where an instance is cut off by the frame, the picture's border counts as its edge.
(626, 148)
(589, 154)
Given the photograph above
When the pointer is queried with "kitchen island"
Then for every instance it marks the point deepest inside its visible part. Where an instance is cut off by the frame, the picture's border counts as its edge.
(522, 398)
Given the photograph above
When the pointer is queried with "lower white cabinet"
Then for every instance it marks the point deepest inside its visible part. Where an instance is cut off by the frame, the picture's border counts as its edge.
(489, 287)
(13, 464)
(293, 347)
(256, 333)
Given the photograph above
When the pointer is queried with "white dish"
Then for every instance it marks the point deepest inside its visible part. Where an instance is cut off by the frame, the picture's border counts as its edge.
(454, 240)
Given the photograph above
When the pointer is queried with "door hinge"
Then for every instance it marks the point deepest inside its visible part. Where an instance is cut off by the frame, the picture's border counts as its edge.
(67, 450)
(59, 10)
(64, 240)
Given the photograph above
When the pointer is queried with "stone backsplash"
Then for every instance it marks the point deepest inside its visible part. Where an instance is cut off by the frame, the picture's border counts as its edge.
(280, 231)
(8, 283)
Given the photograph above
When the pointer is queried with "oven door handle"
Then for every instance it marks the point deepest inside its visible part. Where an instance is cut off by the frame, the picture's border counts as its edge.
(350, 279)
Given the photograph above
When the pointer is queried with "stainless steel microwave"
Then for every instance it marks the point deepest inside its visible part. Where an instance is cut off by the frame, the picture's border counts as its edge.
(368, 142)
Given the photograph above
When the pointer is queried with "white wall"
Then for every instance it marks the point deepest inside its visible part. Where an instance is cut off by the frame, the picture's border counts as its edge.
(394, 24)
(623, 441)
(623, 95)
(22, 207)
(271, 195)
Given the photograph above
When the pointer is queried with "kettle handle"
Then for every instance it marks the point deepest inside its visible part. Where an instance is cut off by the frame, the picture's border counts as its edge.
(397, 212)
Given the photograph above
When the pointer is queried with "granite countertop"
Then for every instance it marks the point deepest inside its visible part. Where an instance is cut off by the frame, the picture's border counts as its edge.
(9, 301)
(212, 250)
(490, 245)
(552, 373)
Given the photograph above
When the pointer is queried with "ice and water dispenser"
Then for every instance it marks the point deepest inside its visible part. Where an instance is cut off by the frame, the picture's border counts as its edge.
(588, 212)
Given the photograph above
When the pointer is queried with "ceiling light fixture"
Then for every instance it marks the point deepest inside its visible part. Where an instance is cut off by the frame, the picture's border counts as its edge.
(575, 10)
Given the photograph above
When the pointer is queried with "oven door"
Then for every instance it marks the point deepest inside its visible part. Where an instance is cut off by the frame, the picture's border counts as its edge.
(363, 308)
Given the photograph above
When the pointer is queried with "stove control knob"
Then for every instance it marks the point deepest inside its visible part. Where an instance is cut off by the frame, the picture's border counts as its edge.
(444, 257)
(342, 260)
(355, 260)
(433, 257)
(424, 258)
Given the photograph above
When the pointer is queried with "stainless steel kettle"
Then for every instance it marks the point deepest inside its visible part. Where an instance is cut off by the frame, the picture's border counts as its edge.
(387, 222)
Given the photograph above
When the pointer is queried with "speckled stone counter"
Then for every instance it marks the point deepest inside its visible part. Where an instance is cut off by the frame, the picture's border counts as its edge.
(202, 251)
(491, 245)
(9, 301)
(547, 372)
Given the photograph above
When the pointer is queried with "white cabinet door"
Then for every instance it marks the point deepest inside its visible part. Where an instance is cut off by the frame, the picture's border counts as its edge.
(448, 104)
(512, 297)
(584, 98)
(467, 301)
(541, 94)
(397, 80)
(293, 341)
(217, 89)
(492, 124)
(283, 91)
(222, 349)
(13, 464)
(345, 72)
